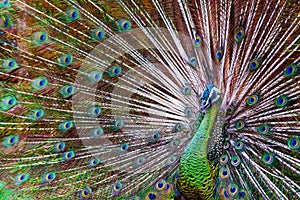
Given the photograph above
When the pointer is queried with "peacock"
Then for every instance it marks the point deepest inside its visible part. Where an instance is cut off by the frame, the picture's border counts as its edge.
(149, 99)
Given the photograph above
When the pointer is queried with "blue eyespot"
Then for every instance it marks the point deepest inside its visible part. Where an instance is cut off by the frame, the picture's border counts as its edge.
(48, 177)
(68, 155)
(39, 38)
(197, 41)
(254, 64)
(59, 147)
(219, 54)
(117, 124)
(123, 25)
(235, 161)
(72, 15)
(96, 132)
(65, 60)
(193, 61)
(252, 100)
(178, 127)
(21, 178)
(282, 101)
(240, 124)
(264, 129)
(10, 64)
(94, 111)
(160, 185)
(95, 76)
(268, 158)
(8, 102)
(66, 91)
(151, 196)
(223, 159)
(224, 172)
(94, 162)
(10, 140)
(39, 83)
(239, 35)
(124, 147)
(294, 143)
(291, 71)
(65, 125)
(36, 114)
(116, 188)
(186, 89)
(154, 137)
(238, 145)
(115, 71)
(85, 193)
(232, 190)
(4, 3)
(98, 34)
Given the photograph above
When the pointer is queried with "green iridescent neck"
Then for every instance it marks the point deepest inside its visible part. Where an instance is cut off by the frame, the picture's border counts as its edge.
(196, 176)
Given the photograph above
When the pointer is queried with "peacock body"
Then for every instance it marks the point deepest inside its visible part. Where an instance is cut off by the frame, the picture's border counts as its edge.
(148, 99)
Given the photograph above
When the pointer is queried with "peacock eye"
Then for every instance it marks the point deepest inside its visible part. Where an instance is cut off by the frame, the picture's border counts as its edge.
(8, 102)
(36, 114)
(252, 100)
(139, 161)
(21, 178)
(219, 54)
(115, 71)
(116, 188)
(197, 41)
(123, 25)
(10, 140)
(66, 91)
(239, 35)
(238, 145)
(291, 71)
(268, 158)
(66, 125)
(65, 60)
(10, 64)
(98, 34)
(124, 147)
(5, 21)
(223, 159)
(186, 89)
(151, 196)
(72, 15)
(193, 61)
(282, 101)
(160, 185)
(39, 83)
(117, 124)
(39, 38)
(96, 132)
(294, 143)
(264, 129)
(94, 162)
(95, 76)
(224, 173)
(85, 193)
(235, 161)
(48, 177)
(68, 155)
(254, 64)
(232, 190)
(94, 111)
(240, 124)
(59, 147)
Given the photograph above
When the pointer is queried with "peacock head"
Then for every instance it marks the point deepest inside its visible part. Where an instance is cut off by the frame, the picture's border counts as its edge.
(210, 95)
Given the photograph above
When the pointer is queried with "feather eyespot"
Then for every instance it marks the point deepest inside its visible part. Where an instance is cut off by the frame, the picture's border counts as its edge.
(68, 155)
(66, 125)
(232, 190)
(116, 188)
(291, 71)
(154, 137)
(65, 60)
(66, 91)
(123, 25)
(117, 124)
(239, 35)
(94, 111)
(96, 132)
(85, 193)
(48, 177)
(238, 145)
(94, 162)
(39, 83)
(37, 114)
(282, 101)
(235, 161)
(254, 64)
(59, 147)
(72, 15)
(197, 41)
(115, 71)
(95, 76)
(21, 178)
(219, 54)
(151, 196)
(4, 3)
(10, 140)
(224, 173)
(294, 143)
(8, 102)
(98, 34)
(264, 129)
(160, 185)
(252, 100)
(240, 124)
(39, 38)
(223, 159)
(268, 159)
(10, 64)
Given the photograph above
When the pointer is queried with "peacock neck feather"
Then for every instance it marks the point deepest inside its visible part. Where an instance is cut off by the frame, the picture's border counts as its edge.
(196, 175)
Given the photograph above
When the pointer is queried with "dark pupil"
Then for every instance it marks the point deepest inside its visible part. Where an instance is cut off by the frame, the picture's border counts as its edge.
(242, 194)
(251, 100)
(152, 196)
(239, 124)
(232, 189)
(125, 25)
(10, 102)
(42, 37)
(94, 162)
(124, 147)
(67, 125)
(60, 146)
(38, 114)
(223, 158)
(100, 34)
(239, 35)
(116, 71)
(98, 132)
(197, 41)
(263, 128)
(253, 64)
(238, 144)
(235, 160)
(219, 55)
(280, 100)
(6, 21)
(86, 192)
(160, 185)
(117, 186)
(224, 173)
(50, 176)
(97, 76)
(289, 70)
(69, 90)
(155, 136)
(69, 155)
(42, 82)
(267, 158)
(74, 14)
(293, 142)
(10, 64)
(12, 140)
(22, 177)
(96, 111)
(67, 59)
